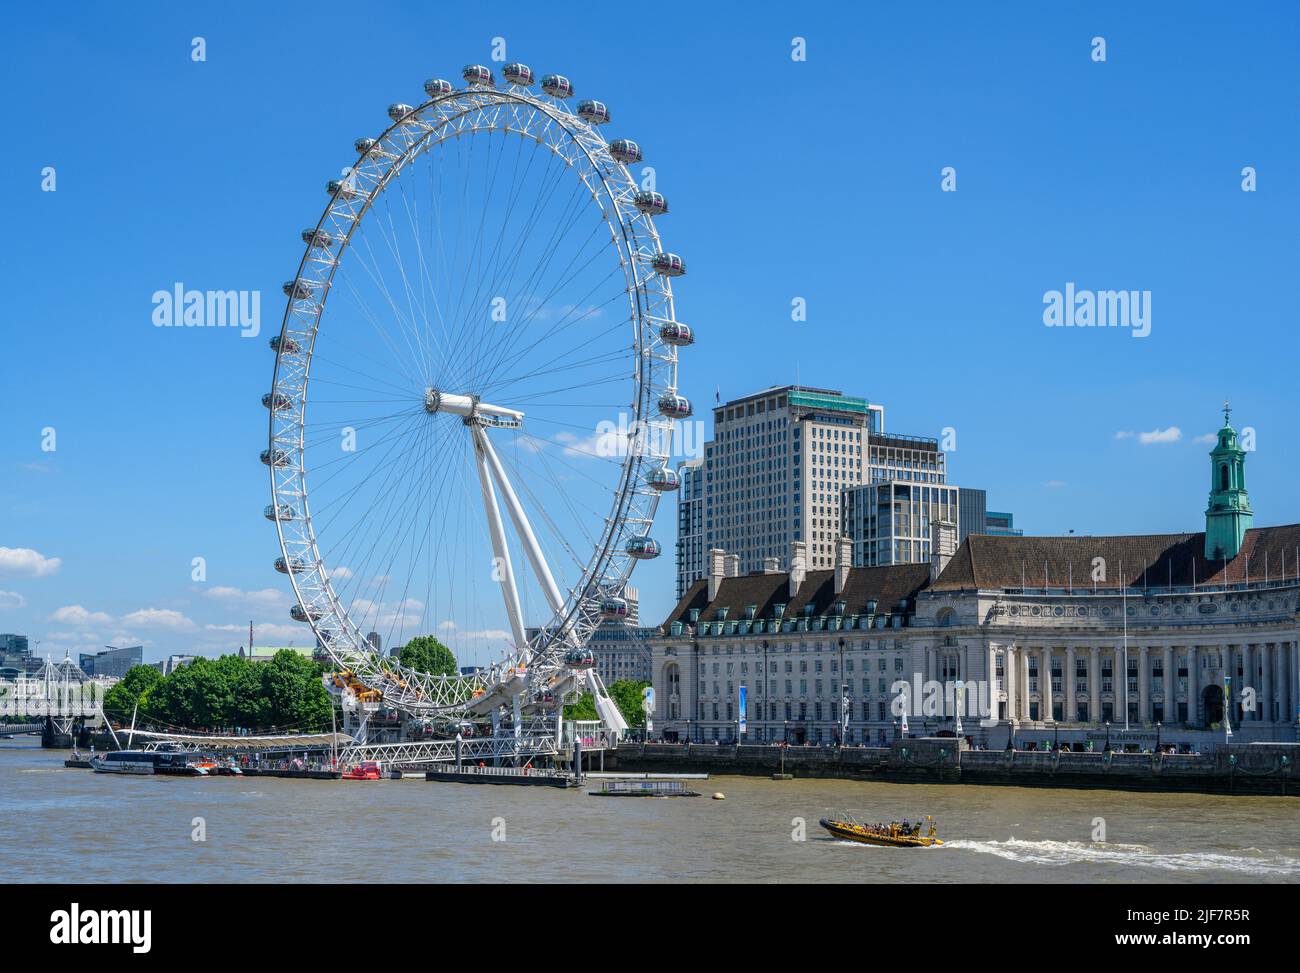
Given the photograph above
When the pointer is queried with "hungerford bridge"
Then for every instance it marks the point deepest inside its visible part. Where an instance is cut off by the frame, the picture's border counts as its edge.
(61, 699)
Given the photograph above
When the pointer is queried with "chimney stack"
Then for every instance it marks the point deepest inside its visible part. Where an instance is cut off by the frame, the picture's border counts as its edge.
(771, 565)
(943, 545)
(717, 567)
(733, 566)
(843, 562)
(798, 565)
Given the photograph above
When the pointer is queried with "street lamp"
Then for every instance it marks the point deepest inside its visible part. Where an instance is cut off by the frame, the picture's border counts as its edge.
(1158, 736)
(1106, 749)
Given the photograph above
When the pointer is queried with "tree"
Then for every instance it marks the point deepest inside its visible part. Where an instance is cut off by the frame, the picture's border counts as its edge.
(292, 693)
(424, 653)
(626, 694)
(129, 692)
(584, 708)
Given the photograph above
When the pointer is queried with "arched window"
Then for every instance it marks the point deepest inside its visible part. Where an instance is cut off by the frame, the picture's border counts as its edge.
(1223, 477)
(945, 618)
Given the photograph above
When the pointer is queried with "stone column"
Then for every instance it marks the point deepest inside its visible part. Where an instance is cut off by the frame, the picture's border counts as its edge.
(1170, 686)
(1266, 682)
(1294, 649)
(1067, 684)
(1248, 679)
(1045, 685)
(1094, 684)
(1193, 691)
(1144, 685)
(1009, 661)
(1283, 696)
(991, 674)
(1022, 683)
(1230, 672)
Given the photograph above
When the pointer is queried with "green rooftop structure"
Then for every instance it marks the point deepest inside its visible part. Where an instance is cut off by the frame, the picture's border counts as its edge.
(1228, 516)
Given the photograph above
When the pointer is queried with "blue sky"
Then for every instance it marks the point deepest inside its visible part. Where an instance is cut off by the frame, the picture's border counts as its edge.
(817, 179)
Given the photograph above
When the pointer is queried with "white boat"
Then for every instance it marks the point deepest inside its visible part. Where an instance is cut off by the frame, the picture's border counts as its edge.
(124, 762)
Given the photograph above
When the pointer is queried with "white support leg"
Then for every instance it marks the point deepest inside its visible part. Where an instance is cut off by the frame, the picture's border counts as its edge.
(522, 527)
(499, 549)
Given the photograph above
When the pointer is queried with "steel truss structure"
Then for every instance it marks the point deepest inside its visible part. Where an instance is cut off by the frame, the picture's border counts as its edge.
(533, 676)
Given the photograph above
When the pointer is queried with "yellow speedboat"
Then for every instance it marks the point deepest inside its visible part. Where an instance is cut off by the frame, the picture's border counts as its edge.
(888, 835)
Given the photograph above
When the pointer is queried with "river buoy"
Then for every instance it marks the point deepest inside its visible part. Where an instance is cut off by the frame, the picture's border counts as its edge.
(719, 796)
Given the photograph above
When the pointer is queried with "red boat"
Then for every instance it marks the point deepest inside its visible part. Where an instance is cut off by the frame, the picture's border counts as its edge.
(367, 770)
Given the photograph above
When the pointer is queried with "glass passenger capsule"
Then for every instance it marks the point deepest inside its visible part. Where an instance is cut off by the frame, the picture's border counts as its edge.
(293, 565)
(399, 111)
(643, 548)
(365, 145)
(478, 74)
(278, 511)
(625, 151)
(300, 614)
(290, 345)
(342, 189)
(669, 265)
(520, 74)
(663, 478)
(437, 87)
(613, 609)
(675, 406)
(557, 86)
(650, 203)
(276, 400)
(277, 457)
(594, 112)
(318, 238)
(676, 333)
(580, 659)
(299, 290)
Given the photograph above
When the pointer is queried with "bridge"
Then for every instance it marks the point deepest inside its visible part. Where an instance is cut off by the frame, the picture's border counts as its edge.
(14, 729)
(536, 738)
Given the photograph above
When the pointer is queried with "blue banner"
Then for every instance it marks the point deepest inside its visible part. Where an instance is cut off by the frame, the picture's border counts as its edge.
(741, 721)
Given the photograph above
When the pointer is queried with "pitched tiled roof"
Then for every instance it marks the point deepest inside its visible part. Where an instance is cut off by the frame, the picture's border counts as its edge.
(1154, 560)
(886, 586)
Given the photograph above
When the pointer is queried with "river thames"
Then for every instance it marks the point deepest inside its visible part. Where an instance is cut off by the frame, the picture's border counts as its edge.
(68, 825)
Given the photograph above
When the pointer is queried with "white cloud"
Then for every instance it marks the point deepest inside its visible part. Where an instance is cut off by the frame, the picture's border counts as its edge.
(1123, 434)
(1170, 435)
(25, 561)
(1054, 484)
(265, 598)
(159, 618)
(76, 615)
(1209, 439)
(603, 443)
(12, 599)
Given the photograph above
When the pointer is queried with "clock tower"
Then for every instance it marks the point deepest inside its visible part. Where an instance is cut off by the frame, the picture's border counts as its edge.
(1228, 516)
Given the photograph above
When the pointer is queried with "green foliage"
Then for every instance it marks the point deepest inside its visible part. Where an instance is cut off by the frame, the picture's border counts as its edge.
(131, 689)
(626, 694)
(228, 693)
(583, 709)
(424, 653)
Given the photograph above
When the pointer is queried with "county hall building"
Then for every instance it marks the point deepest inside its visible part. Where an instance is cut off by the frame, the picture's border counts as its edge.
(1051, 638)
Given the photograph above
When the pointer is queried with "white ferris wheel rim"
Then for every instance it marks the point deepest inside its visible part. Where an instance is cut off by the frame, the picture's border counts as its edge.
(462, 112)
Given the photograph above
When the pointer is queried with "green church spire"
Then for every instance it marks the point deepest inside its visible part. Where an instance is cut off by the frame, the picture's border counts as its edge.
(1228, 516)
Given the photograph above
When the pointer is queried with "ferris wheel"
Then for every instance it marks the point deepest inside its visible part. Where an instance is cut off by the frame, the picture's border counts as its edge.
(493, 392)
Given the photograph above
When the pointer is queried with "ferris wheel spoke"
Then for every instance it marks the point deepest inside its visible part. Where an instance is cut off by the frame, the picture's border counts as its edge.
(565, 322)
(527, 291)
(519, 246)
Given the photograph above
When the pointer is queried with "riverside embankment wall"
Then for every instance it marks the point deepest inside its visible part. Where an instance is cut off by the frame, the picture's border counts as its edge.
(1249, 769)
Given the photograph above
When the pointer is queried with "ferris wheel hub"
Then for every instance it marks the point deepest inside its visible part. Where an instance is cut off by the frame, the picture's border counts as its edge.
(471, 408)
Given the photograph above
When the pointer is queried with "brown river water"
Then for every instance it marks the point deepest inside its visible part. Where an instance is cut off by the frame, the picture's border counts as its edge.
(67, 825)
